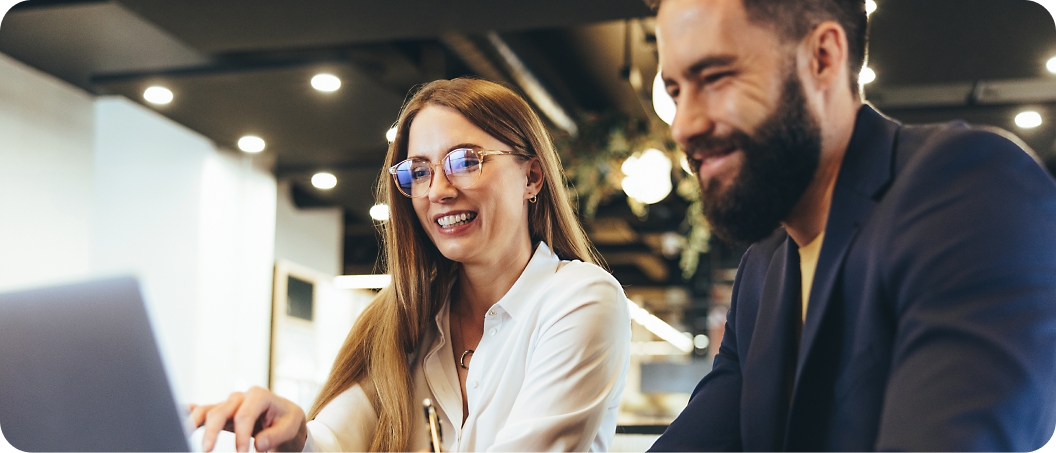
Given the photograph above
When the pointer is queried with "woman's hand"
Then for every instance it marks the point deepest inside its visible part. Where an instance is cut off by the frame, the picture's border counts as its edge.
(274, 423)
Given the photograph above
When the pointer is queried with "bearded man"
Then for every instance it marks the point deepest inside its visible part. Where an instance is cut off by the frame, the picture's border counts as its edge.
(900, 292)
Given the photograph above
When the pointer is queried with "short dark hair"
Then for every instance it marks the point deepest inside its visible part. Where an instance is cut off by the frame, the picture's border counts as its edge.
(793, 19)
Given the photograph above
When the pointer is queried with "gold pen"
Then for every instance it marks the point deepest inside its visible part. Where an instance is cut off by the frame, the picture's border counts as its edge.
(435, 435)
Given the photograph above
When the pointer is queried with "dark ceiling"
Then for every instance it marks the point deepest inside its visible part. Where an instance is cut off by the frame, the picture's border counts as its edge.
(242, 67)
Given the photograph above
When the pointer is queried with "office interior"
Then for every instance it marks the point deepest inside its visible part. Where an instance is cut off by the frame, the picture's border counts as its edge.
(226, 154)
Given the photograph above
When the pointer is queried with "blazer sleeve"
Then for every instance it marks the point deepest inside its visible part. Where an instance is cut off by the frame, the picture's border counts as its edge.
(711, 420)
(972, 266)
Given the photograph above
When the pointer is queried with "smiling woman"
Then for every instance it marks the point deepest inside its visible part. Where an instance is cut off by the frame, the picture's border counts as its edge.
(498, 311)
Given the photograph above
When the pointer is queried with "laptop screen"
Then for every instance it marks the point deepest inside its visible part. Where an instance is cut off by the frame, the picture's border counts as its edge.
(81, 371)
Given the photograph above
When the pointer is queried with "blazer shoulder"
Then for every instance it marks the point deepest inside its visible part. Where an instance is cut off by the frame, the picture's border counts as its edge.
(757, 258)
(958, 142)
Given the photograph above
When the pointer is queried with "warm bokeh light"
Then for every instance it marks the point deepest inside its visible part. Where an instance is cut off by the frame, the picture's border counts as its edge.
(1029, 119)
(701, 341)
(870, 7)
(326, 82)
(1051, 65)
(379, 212)
(866, 76)
(157, 95)
(390, 134)
(648, 177)
(251, 144)
(662, 102)
(324, 180)
(684, 162)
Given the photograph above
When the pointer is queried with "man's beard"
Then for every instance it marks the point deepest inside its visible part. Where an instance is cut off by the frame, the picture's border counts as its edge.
(780, 160)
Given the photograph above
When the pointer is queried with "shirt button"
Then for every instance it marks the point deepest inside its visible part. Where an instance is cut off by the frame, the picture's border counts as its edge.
(473, 384)
(494, 331)
(491, 313)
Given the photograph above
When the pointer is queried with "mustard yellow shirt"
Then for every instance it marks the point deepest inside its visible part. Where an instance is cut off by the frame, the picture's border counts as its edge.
(808, 262)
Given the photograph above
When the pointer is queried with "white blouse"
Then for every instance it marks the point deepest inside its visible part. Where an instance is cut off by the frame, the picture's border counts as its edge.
(547, 375)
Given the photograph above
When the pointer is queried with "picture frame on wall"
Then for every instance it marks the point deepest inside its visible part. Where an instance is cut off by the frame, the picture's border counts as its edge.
(292, 362)
(310, 320)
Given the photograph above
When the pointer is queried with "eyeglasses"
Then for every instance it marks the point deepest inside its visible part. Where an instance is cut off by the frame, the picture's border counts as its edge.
(462, 167)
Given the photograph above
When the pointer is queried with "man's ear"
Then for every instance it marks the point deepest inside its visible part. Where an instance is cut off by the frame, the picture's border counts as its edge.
(826, 47)
(535, 178)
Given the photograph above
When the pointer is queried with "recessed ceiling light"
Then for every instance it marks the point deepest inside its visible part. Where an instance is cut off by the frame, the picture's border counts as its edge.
(326, 82)
(390, 134)
(157, 95)
(379, 212)
(251, 144)
(663, 105)
(870, 7)
(866, 76)
(1028, 119)
(324, 180)
(1051, 65)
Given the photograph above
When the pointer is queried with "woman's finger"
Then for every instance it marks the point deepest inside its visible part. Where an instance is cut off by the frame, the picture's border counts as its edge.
(287, 430)
(197, 415)
(247, 418)
(217, 417)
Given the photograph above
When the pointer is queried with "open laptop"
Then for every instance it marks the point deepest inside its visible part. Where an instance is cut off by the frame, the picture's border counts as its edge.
(80, 371)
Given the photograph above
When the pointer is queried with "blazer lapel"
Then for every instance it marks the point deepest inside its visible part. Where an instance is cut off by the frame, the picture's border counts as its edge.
(865, 173)
(770, 365)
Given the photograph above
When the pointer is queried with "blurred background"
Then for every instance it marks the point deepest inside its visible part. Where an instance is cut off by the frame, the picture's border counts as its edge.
(226, 153)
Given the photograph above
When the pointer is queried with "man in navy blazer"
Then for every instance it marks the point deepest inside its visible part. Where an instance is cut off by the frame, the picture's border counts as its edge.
(900, 292)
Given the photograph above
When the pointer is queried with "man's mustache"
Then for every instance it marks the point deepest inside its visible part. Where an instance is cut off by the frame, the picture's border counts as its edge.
(701, 147)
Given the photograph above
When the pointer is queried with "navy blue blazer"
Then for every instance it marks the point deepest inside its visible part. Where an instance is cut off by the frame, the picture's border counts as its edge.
(932, 321)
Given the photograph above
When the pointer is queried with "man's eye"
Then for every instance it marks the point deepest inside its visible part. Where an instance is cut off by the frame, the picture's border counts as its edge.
(712, 78)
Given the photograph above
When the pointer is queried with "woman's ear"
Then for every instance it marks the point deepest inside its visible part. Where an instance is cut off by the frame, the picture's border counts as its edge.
(535, 178)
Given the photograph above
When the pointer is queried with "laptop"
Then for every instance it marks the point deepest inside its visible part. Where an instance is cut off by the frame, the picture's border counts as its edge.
(80, 371)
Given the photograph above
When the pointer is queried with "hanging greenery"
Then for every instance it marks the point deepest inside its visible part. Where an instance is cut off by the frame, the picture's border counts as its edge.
(593, 160)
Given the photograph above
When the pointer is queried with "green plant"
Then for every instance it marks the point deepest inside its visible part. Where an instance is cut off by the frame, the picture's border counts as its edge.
(593, 159)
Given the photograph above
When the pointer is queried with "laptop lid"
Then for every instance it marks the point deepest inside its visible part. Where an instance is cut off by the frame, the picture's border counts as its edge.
(80, 371)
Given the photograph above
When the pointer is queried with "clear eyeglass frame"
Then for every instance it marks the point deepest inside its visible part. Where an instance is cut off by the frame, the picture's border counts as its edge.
(470, 165)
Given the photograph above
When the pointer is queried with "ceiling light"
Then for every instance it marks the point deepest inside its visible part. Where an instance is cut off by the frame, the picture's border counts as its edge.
(326, 82)
(390, 134)
(866, 76)
(157, 95)
(663, 105)
(379, 212)
(1051, 65)
(324, 180)
(1028, 120)
(251, 144)
(376, 281)
(870, 7)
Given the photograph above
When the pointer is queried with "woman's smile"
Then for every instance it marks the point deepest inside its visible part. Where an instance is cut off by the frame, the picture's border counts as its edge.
(454, 221)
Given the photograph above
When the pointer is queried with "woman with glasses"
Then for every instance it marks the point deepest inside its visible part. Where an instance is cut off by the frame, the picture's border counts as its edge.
(497, 312)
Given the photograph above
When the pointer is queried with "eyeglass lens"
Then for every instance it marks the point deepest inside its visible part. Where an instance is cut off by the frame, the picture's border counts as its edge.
(462, 167)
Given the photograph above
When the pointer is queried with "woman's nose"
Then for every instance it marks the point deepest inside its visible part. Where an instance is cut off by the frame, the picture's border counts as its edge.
(440, 188)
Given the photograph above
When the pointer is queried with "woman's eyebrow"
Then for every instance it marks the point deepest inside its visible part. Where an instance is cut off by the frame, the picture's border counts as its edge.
(458, 146)
(464, 145)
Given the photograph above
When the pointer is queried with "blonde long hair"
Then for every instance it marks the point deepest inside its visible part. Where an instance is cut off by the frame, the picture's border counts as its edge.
(387, 334)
